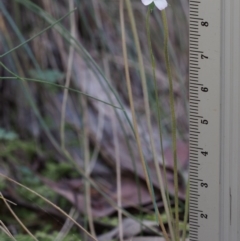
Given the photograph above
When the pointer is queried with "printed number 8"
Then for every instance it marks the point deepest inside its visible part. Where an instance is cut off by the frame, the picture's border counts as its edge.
(205, 24)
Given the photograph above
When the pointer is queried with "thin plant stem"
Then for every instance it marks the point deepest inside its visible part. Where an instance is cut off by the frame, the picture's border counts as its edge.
(168, 213)
(117, 156)
(68, 75)
(17, 218)
(186, 213)
(33, 37)
(67, 225)
(10, 202)
(5, 230)
(173, 122)
(146, 171)
(118, 171)
(86, 164)
(53, 84)
(146, 104)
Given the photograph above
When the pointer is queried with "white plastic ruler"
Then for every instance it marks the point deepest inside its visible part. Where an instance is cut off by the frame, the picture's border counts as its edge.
(214, 119)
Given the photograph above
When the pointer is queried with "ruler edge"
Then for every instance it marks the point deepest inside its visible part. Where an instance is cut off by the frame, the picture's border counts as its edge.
(230, 122)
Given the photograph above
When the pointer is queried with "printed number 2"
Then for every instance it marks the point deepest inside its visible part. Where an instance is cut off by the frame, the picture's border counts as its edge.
(204, 216)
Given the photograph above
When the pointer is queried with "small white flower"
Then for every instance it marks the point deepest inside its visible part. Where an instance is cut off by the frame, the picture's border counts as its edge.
(160, 4)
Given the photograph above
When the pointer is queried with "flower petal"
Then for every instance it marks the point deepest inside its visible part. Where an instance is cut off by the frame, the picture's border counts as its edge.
(160, 4)
(147, 2)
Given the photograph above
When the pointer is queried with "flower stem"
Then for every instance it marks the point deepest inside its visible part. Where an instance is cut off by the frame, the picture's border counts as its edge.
(166, 200)
(173, 121)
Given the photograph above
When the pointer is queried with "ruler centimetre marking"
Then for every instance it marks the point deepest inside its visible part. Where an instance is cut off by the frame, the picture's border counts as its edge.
(204, 119)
